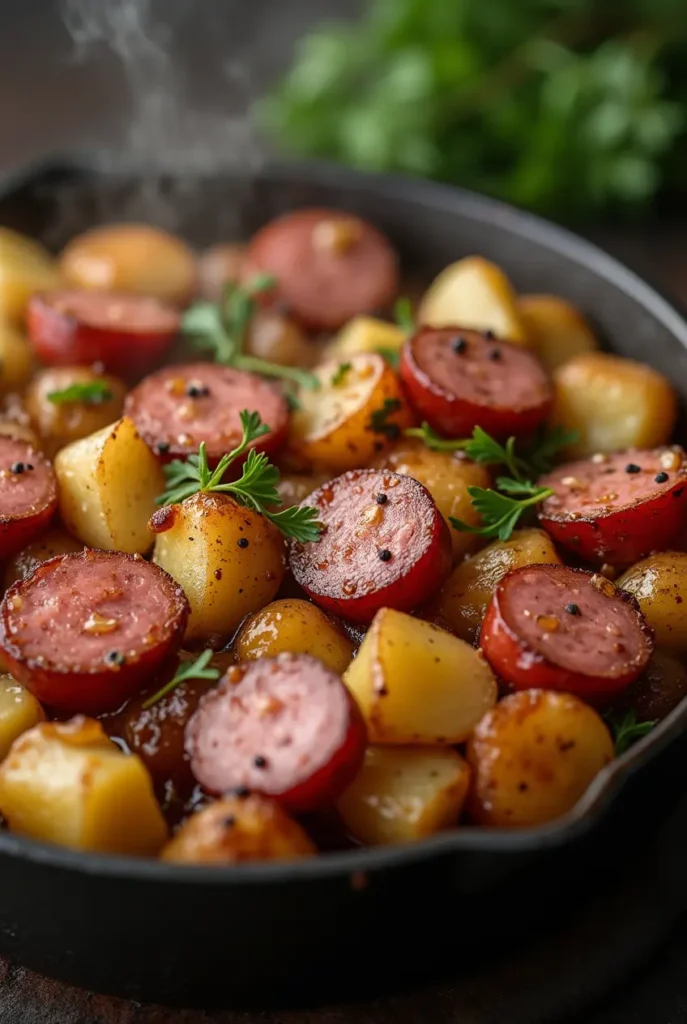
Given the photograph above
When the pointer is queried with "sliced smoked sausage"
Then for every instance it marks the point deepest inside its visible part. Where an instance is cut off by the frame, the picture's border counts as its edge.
(384, 544)
(556, 628)
(128, 334)
(459, 379)
(180, 406)
(329, 266)
(85, 631)
(617, 508)
(28, 495)
(285, 727)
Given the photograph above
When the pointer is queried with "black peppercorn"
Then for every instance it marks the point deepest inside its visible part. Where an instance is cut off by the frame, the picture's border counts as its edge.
(259, 761)
(115, 658)
(162, 447)
(489, 335)
(495, 355)
(197, 391)
(384, 555)
(459, 345)
(29, 466)
(17, 467)
(243, 542)
(631, 467)
(660, 478)
(572, 609)
(382, 499)
(241, 792)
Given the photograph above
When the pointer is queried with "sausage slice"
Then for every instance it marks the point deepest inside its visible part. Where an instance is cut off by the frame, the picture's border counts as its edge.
(128, 334)
(329, 266)
(555, 628)
(385, 544)
(459, 379)
(285, 727)
(28, 495)
(180, 406)
(617, 508)
(85, 631)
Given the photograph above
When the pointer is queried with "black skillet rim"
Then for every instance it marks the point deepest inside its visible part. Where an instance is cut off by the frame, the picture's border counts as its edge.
(610, 781)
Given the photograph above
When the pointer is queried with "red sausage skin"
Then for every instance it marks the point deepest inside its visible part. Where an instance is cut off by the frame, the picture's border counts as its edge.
(459, 379)
(128, 334)
(28, 495)
(385, 545)
(618, 508)
(285, 727)
(554, 628)
(85, 631)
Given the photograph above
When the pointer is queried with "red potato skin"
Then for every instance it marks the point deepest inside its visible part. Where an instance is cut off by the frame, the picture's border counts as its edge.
(89, 692)
(455, 416)
(17, 531)
(63, 340)
(525, 669)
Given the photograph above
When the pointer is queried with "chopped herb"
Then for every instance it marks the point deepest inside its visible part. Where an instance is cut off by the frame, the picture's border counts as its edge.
(340, 376)
(391, 355)
(403, 315)
(256, 488)
(626, 730)
(500, 513)
(94, 392)
(189, 670)
(292, 400)
(482, 448)
(379, 420)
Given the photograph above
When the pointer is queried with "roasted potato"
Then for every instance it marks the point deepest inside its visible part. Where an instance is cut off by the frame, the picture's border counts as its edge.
(659, 584)
(613, 403)
(217, 267)
(21, 432)
(659, 689)
(59, 422)
(202, 544)
(67, 783)
(366, 334)
(295, 487)
(463, 599)
(134, 258)
(16, 357)
(477, 294)
(358, 411)
(416, 684)
(297, 627)
(19, 711)
(404, 793)
(25, 267)
(278, 339)
(557, 330)
(447, 478)
(108, 484)
(237, 829)
(533, 756)
(55, 542)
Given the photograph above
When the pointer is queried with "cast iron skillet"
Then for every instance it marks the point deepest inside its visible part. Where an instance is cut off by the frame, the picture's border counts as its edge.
(362, 918)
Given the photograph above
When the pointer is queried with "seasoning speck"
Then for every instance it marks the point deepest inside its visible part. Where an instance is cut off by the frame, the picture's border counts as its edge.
(115, 658)
(229, 821)
(384, 555)
(489, 335)
(197, 391)
(632, 467)
(495, 355)
(382, 499)
(572, 609)
(259, 761)
(241, 792)
(660, 478)
(162, 447)
(243, 542)
(459, 345)
(17, 467)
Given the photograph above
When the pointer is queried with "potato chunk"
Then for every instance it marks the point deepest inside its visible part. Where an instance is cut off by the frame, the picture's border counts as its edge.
(235, 830)
(25, 267)
(367, 334)
(659, 583)
(228, 559)
(404, 793)
(19, 711)
(108, 485)
(55, 542)
(417, 684)
(558, 331)
(59, 423)
(297, 627)
(16, 358)
(67, 783)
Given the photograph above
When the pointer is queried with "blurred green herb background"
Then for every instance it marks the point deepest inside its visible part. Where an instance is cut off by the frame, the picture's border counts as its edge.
(569, 107)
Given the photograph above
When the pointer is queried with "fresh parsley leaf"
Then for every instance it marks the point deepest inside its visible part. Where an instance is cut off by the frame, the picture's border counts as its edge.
(403, 315)
(189, 670)
(626, 730)
(340, 376)
(391, 355)
(292, 400)
(379, 420)
(93, 392)
(256, 488)
(547, 446)
(500, 513)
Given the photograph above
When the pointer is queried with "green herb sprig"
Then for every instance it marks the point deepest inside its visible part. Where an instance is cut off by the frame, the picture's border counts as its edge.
(256, 488)
(380, 423)
(626, 730)
(222, 327)
(93, 392)
(197, 669)
(339, 376)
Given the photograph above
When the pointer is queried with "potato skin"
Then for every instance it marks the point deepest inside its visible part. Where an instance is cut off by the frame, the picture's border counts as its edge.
(557, 330)
(278, 339)
(25, 267)
(447, 478)
(462, 601)
(219, 266)
(17, 360)
(659, 689)
(533, 756)
(297, 627)
(366, 334)
(197, 542)
(19, 711)
(55, 542)
(402, 794)
(659, 583)
(237, 830)
(60, 424)
(613, 403)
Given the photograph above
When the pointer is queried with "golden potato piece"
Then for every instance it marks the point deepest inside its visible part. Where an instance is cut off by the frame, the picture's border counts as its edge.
(217, 267)
(659, 689)
(135, 258)
(278, 339)
(67, 783)
(533, 756)
(234, 830)
(404, 793)
(59, 423)
(477, 294)
(613, 403)
(463, 599)
(659, 584)
(16, 358)
(55, 542)
(22, 432)
(19, 711)
(297, 627)
(557, 330)
(416, 684)
(201, 543)
(366, 334)
(25, 267)
(108, 484)
(358, 411)
(447, 477)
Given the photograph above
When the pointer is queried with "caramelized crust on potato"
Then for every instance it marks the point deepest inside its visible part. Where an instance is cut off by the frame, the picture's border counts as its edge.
(295, 627)
(659, 583)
